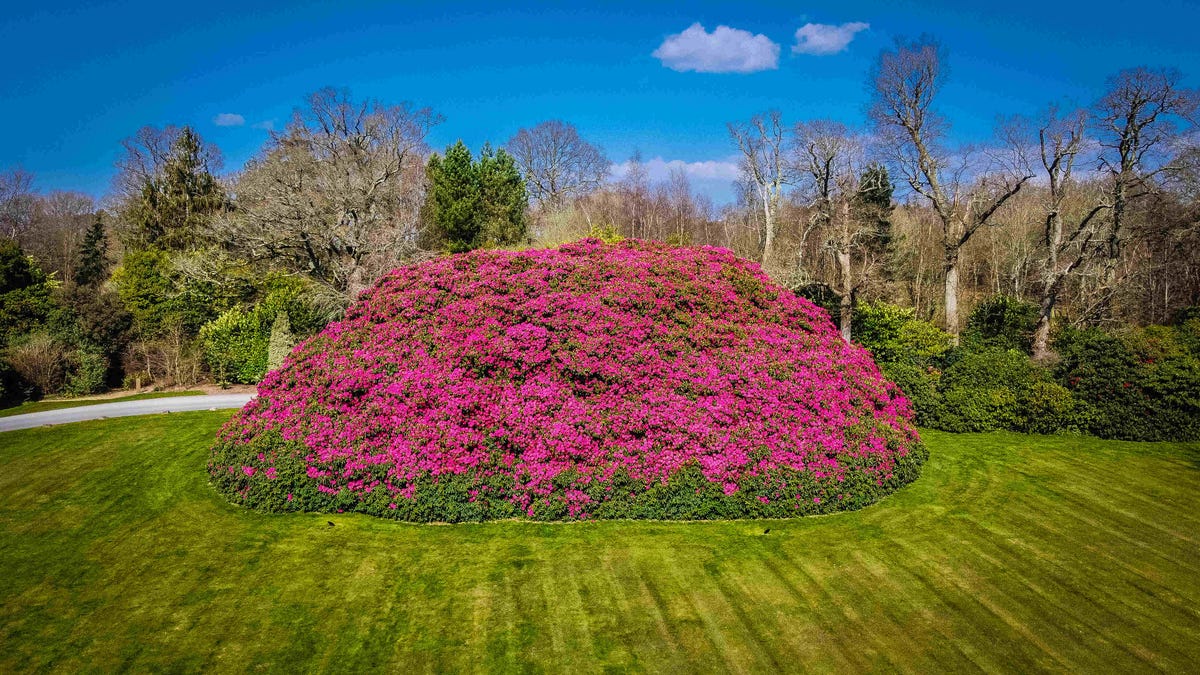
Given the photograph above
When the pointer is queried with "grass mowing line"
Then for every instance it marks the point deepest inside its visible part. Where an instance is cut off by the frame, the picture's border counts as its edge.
(844, 658)
(1070, 542)
(883, 576)
(117, 554)
(703, 595)
(1062, 577)
(1112, 488)
(844, 616)
(999, 649)
(1097, 525)
(1025, 589)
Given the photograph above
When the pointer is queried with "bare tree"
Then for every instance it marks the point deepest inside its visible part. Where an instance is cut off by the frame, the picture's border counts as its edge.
(834, 178)
(557, 163)
(337, 194)
(1137, 123)
(765, 166)
(964, 195)
(17, 202)
(1073, 215)
(59, 221)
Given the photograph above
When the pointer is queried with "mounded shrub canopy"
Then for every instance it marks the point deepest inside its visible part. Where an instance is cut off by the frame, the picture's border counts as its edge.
(590, 381)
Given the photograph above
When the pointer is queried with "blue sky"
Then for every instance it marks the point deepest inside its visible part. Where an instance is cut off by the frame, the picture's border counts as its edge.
(79, 77)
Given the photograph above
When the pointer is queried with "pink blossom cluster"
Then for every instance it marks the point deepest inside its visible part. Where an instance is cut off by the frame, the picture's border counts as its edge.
(556, 369)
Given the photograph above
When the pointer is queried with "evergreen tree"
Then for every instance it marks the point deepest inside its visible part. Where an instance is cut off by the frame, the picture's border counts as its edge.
(280, 344)
(874, 206)
(93, 253)
(452, 203)
(475, 203)
(175, 205)
(503, 199)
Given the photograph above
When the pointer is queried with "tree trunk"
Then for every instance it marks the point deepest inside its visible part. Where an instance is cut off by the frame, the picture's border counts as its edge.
(1041, 332)
(952, 293)
(845, 307)
(768, 238)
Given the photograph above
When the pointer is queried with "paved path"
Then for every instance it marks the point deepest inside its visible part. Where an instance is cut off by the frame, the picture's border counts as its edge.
(149, 406)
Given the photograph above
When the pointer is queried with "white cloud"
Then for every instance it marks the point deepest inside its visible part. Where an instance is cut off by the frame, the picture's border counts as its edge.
(821, 39)
(229, 120)
(725, 50)
(265, 125)
(659, 169)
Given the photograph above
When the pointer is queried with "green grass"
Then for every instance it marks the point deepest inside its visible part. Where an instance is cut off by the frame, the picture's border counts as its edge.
(43, 406)
(1011, 553)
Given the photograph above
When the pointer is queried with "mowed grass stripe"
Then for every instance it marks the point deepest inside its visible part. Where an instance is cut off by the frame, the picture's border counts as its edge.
(1011, 553)
(1129, 497)
(1090, 587)
(1026, 584)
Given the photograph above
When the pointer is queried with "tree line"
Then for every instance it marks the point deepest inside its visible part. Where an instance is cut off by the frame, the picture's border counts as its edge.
(185, 271)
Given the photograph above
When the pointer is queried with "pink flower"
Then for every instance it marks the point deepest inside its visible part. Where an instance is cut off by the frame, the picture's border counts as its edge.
(550, 372)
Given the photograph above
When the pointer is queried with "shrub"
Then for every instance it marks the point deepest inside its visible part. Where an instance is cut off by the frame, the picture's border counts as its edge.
(920, 387)
(966, 409)
(1141, 385)
(237, 344)
(923, 343)
(986, 390)
(877, 326)
(1001, 322)
(88, 372)
(41, 361)
(596, 380)
(234, 348)
(1047, 408)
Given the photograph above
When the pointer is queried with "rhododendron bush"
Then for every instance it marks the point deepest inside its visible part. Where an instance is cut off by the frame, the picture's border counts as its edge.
(591, 381)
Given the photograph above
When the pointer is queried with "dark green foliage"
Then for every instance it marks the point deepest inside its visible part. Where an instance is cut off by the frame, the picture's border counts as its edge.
(88, 372)
(919, 384)
(688, 495)
(175, 206)
(1143, 385)
(26, 301)
(873, 204)
(1002, 322)
(502, 199)
(13, 389)
(471, 203)
(94, 317)
(145, 285)
(93, 256)
(452, 201)
(822, 296)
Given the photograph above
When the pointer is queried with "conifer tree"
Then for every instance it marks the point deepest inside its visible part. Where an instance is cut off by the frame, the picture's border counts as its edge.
(93, 253)
(874, 206)
(175, 205)
(452, 202)
(281, 341)
(503, 199)
(473, 203)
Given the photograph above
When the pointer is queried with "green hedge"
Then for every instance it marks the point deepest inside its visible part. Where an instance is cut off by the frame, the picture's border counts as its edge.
(1136, 384)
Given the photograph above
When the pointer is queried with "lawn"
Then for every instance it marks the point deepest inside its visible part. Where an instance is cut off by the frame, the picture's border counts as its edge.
(43, 406)
(1012, 553)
